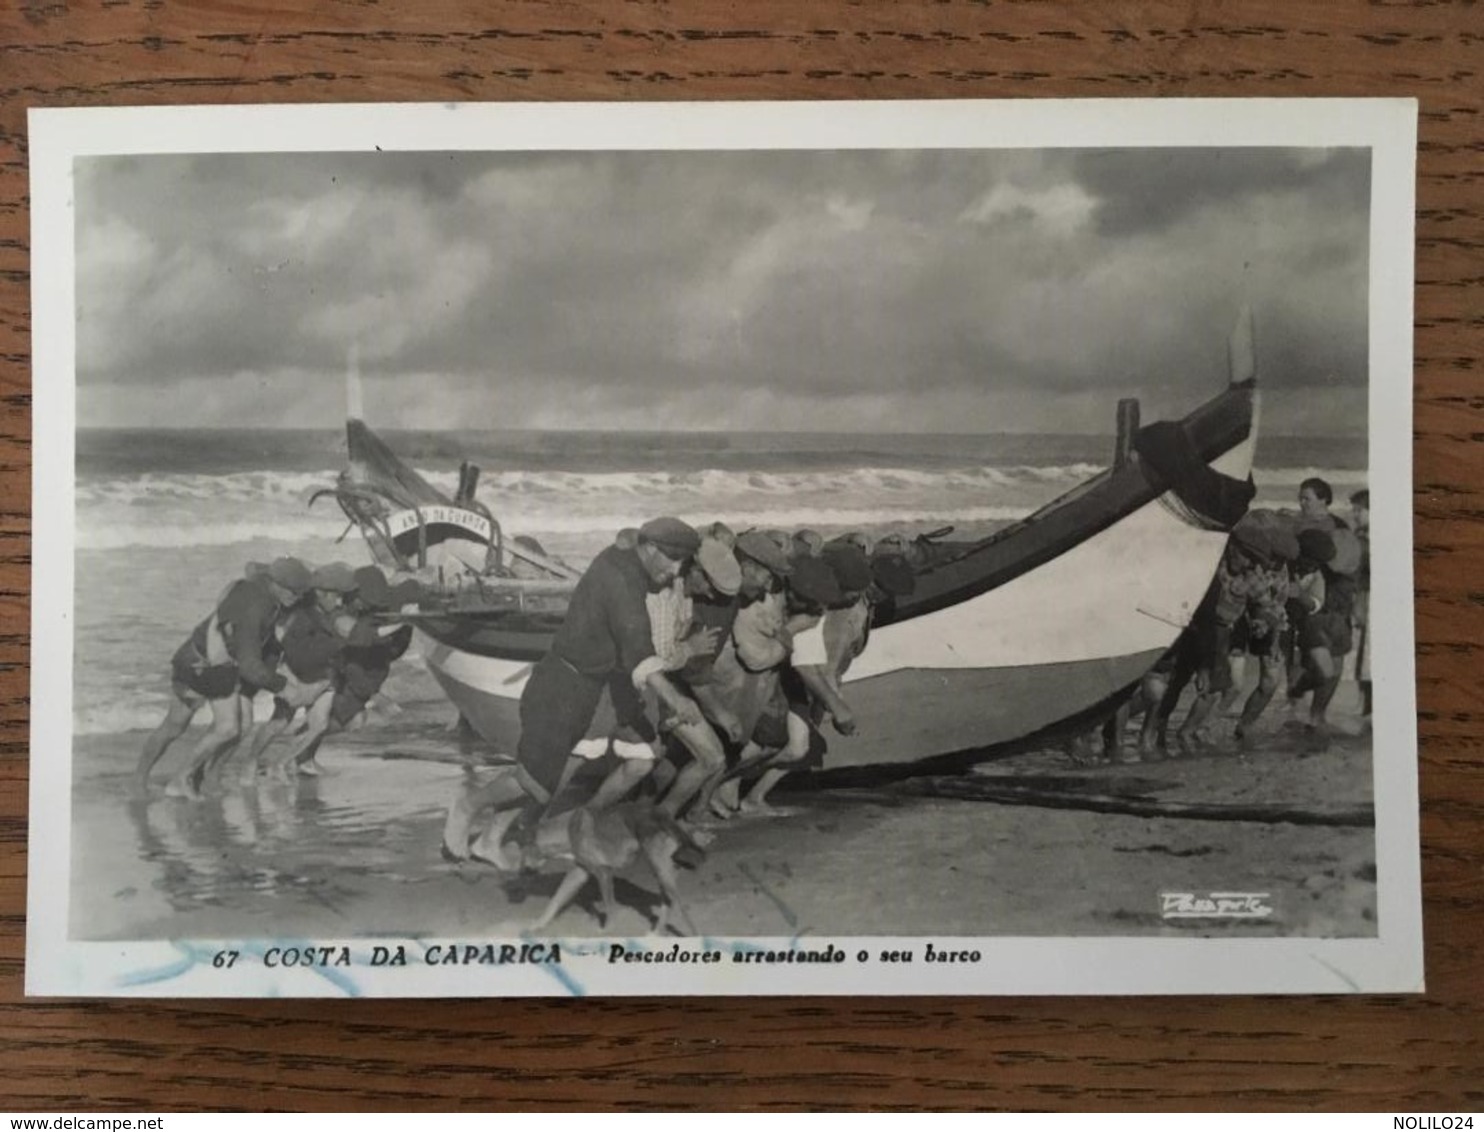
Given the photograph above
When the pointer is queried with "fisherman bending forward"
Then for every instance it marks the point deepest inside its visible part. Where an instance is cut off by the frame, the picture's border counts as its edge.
(604, 643)
(230, 656)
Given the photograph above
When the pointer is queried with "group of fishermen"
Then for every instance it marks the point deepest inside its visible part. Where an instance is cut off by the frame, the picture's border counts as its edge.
(700, 661)
(1292, 592)
(322, 640)
(695, 660)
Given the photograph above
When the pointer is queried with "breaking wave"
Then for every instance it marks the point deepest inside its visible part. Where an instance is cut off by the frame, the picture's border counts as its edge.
(186, 510)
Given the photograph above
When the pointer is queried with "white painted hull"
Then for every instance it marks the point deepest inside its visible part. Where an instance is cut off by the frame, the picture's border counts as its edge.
(1047, 646)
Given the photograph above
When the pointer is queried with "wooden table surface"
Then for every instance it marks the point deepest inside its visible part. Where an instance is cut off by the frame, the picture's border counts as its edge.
(1419, 1054)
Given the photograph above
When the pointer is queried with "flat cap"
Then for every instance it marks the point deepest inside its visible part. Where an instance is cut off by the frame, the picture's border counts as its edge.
(721, 533)
(336, 577)
(719, 564)
(676, 538)
(807, 542)
(1254, 542)
(291, 574)
(850, 566)
(372, 588)
(813, 581)
(763, 550)
(893, 574)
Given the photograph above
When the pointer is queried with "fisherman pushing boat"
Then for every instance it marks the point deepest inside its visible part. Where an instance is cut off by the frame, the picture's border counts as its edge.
(605, 643)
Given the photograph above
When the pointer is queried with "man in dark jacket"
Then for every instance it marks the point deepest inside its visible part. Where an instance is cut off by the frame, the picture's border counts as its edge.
(367, 646)
(605, 644)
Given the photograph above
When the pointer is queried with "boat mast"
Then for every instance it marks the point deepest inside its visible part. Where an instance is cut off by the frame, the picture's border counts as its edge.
(1241, 348)
(353, 409)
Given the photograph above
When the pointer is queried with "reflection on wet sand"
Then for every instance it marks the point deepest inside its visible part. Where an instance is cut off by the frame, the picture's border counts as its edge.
(260, 849)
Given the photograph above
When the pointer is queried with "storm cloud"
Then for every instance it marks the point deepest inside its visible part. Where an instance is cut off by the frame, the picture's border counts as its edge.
(861, 290)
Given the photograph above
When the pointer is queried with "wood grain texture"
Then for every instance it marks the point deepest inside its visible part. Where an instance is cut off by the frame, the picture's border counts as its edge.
(1423, 1053)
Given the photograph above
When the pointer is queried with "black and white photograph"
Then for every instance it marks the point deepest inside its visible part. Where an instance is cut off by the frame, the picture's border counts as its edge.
(724, 549)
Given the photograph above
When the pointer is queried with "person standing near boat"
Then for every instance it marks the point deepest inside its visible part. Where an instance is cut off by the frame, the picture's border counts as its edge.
(753, 673)
(605, 642)
(831, 616)
(1314, 499)
(227, 659)
(1325, 636)
(743, 676)
(1203, 651)
(689, 621)
(369, 647)
(1261, 633)
(310, 649)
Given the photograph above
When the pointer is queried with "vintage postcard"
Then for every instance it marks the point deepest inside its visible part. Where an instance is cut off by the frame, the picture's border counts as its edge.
(880, 548)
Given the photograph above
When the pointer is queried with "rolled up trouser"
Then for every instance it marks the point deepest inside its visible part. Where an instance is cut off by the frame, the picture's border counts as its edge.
(561, 706)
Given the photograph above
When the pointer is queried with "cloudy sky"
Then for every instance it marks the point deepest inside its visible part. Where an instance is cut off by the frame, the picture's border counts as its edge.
(885, 290)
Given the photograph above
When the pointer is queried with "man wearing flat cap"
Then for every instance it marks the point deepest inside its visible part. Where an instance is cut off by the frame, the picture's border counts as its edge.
(227, 659)
(369, 645)
(605, 643)
(311, 649)
(691, 622)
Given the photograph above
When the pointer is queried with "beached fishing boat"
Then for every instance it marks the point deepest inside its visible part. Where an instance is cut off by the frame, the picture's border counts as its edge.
(1042, 627)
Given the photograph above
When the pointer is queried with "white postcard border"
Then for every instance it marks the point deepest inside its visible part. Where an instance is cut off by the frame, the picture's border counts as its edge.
(56, 965)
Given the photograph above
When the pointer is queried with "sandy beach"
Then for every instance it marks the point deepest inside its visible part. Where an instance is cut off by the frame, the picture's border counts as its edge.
(355, 853)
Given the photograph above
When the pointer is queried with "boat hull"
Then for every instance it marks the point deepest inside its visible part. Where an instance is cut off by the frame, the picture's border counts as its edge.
(902, 717)
(1039, 628)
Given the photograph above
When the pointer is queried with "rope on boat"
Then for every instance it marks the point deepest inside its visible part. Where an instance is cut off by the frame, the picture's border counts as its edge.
(1006, 792)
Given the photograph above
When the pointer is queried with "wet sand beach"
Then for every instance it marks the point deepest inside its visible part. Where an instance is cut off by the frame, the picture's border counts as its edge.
(355, 853)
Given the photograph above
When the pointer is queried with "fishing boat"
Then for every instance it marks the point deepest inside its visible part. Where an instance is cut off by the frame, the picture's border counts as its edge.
(1042, 627)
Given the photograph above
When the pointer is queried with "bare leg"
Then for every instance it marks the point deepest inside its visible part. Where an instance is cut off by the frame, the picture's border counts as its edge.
(1152, 692)
(566, 893)
(726, 798)
(756, 801)
(1238, 666)
(304, 748)
(1114, 728)
(1190, 736)
(1262, 695)
(225, 731)
(605, 885)
(622, 779)
(660, 852)
(260, 736)
(1326, 669)
(172, 727)
(304, 758)
(1174, 686)
(708, 762)
(502, 791)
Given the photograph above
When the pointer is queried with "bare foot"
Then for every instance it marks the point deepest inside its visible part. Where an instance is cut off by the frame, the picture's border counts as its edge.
(182, 786)
(753, 809)
(505, 858)
(1316, 739)
(490, 848)
(699, 833)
